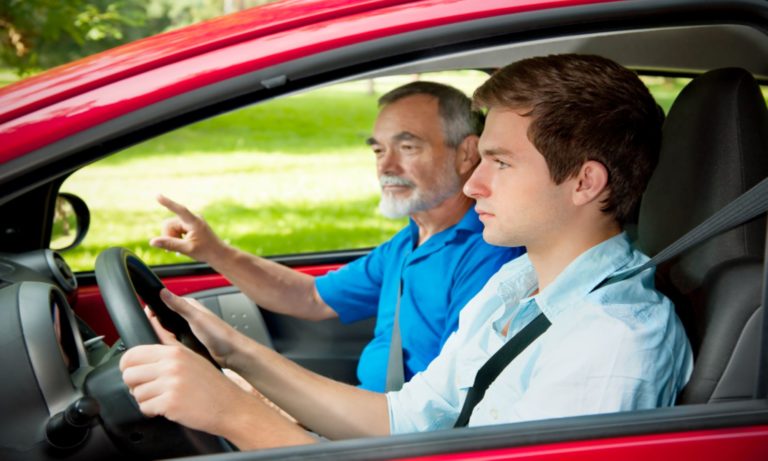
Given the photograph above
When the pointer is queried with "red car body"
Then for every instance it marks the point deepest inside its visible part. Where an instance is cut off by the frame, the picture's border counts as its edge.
(40, 115)
(46, 108)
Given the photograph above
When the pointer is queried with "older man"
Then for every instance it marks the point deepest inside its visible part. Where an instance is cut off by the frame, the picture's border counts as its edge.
(425, 142)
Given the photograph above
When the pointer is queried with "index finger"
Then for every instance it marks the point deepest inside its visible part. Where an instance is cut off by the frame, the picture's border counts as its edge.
(178, 304)
(180, 210)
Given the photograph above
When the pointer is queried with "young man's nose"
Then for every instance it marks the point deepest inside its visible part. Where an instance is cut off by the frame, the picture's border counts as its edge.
(476, 185)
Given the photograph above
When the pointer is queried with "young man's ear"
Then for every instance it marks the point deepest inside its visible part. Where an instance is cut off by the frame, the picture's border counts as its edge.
(467, 155)
(591, 183)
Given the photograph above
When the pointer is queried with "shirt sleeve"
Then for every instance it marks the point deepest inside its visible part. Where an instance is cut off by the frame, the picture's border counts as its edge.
(353, 290)
(478, 264)
(430, 400)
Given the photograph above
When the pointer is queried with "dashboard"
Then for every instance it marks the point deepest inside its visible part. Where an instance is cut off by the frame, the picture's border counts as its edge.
(61, 391)
(43, 358)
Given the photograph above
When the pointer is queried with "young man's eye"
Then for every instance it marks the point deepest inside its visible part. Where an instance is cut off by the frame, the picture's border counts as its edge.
(500, 165)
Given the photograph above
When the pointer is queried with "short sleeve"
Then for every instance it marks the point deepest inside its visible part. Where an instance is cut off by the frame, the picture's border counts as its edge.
(353, 290)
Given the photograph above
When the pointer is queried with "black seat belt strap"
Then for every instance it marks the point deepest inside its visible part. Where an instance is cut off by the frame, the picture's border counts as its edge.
(498, 361)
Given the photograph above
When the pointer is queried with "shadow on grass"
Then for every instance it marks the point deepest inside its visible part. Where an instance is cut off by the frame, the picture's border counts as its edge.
(323, 121)
(277, 229)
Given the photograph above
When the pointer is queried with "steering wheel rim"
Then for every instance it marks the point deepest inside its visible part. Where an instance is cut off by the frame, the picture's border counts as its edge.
(117, 270)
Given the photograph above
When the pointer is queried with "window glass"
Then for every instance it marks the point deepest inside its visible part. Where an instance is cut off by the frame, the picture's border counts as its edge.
(285, 176)
(665, 89)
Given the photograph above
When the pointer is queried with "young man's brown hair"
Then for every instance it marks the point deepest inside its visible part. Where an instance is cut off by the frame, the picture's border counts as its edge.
(584, 108)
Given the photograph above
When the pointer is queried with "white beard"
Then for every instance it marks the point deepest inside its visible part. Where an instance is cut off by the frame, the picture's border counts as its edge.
(390, 206)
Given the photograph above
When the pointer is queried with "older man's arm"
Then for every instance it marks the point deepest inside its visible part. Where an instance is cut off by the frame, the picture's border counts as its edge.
(269, 284)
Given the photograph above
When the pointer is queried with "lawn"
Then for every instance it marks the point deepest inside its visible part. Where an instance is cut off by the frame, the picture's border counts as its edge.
(286, 176)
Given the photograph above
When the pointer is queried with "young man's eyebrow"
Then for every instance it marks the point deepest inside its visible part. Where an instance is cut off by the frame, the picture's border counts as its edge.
(371, 141)
(496, 152)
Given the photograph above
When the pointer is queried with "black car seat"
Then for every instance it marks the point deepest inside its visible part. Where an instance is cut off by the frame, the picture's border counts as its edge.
(714, 147)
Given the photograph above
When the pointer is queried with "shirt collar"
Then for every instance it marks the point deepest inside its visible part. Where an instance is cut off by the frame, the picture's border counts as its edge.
(470, 222)
(583, 274)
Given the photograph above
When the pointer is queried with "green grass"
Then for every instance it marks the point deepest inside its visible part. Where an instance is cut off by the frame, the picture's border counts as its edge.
(265, 203)
(286, 176)
(317, 122)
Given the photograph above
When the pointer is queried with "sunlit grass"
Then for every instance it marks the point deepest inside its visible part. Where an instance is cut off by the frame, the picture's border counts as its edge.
(265, 203)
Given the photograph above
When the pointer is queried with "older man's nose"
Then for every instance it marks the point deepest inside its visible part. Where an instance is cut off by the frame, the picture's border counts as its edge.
(389, 163)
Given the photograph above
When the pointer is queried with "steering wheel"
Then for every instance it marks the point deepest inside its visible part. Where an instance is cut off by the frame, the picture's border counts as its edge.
(125, 281)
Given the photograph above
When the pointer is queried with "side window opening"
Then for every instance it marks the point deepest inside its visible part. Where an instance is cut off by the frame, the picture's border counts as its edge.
(291, 175)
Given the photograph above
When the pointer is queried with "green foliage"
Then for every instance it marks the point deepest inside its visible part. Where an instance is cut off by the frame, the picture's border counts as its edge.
(39, 34)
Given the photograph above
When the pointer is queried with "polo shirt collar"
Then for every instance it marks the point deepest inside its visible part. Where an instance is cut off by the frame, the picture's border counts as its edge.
(470, 222)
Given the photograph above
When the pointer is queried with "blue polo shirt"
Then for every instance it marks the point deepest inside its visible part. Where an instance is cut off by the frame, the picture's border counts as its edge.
(439, 278)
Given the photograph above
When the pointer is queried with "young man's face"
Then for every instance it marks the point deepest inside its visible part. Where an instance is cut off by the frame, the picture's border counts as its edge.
(416, 169)
(517, 201)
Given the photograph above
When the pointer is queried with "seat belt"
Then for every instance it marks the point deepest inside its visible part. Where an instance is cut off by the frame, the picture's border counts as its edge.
(745, 207)
(490, 370)
(395, 370)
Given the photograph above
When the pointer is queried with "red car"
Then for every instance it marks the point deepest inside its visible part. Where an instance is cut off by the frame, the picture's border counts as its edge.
(61, 394)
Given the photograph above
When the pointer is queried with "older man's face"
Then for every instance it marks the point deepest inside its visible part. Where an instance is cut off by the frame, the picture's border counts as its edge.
(416, 170)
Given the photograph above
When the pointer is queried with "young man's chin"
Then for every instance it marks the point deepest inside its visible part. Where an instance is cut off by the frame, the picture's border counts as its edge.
(493, 238)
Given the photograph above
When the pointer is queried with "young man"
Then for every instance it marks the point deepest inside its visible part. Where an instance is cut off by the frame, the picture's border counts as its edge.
(425, 142)
(568, 148)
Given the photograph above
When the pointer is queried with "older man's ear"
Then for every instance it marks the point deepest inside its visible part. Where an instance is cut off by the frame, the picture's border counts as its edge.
(467, 155)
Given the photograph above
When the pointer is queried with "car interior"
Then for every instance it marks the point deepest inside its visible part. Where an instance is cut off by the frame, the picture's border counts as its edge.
(714, 148)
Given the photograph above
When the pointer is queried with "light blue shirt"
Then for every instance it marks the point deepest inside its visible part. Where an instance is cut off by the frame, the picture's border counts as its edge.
(620, 347)
(439, 278)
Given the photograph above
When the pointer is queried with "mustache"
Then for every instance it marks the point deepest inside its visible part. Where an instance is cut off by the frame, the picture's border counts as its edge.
(390, 180)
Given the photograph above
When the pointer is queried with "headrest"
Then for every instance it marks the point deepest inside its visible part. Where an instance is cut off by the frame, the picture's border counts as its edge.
(714, 148)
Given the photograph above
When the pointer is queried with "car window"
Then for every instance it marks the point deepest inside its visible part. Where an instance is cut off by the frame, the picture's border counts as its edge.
(286, 176)
(664, 89)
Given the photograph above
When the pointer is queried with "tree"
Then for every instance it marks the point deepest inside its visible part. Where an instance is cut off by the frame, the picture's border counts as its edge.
(38, 34)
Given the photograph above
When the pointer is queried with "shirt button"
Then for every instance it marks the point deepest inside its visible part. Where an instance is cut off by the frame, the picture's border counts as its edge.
(494, 414)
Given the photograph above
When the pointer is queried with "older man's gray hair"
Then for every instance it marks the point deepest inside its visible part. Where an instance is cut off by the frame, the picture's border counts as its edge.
(455, 108)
